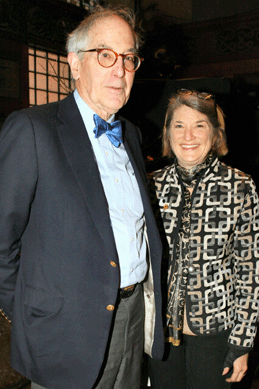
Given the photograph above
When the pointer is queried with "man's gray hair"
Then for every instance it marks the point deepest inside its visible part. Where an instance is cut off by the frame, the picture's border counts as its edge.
(79, 38)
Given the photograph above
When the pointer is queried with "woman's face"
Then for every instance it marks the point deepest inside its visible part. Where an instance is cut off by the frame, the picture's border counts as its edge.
(191, 136)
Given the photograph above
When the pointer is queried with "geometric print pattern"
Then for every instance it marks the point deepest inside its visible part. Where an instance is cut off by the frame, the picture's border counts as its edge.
(223, 291)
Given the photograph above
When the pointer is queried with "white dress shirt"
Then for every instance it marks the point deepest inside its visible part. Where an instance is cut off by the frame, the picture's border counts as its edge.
(124, 200)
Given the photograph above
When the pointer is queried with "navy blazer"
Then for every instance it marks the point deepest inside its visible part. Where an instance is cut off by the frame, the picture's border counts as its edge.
(56, 245)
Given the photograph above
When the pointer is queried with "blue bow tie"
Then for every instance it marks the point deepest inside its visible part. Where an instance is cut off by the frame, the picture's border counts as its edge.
(112, 130)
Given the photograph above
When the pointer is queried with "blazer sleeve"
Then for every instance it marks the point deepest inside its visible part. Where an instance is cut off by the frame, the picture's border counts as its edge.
(246, 261)
(18, 178)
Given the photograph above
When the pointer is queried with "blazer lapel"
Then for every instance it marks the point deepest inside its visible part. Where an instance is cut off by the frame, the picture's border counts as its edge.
(81, 157)
(140, 176)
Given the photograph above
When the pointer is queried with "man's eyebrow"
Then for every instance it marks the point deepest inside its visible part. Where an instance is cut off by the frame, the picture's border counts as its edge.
(131, 50)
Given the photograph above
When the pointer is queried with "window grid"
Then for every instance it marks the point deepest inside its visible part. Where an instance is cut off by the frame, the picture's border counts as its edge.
(49, 76)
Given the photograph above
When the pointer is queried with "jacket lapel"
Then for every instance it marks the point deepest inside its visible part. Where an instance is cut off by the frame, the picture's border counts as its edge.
(140, 175)
(78, 148)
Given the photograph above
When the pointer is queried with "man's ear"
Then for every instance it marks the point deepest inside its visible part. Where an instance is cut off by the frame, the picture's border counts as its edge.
(74, 64)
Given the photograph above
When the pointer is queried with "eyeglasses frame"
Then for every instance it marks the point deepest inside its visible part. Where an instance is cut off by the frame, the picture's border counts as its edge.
(184, 91)
(99, 50)
(210, 96)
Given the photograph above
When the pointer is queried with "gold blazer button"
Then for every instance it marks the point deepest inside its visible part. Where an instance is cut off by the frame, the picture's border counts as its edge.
(110, 307)
(113, 264)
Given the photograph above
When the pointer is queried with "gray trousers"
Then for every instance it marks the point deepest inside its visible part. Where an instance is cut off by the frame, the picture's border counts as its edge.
(122, 367)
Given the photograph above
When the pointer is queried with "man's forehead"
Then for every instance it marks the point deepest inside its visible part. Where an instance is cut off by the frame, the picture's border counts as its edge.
(111, 27)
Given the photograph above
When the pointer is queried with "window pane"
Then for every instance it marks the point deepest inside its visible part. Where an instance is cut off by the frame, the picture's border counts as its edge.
(41, 81)
(32, 96)
(41, 97)
(64, 70)
(67, 84)
(31, 80)
(53, 84)
(41, 53)
(41, 66)
(64, 88)
(53, 97)
(31, 62)
(53, 67)
(52, 56)
(52, 76)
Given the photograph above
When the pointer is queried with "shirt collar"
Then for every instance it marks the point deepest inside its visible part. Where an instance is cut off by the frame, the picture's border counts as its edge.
(87, 114)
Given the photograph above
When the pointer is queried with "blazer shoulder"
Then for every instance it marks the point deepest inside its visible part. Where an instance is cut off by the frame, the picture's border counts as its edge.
(44, 116)
(41, 111)
(45, 111)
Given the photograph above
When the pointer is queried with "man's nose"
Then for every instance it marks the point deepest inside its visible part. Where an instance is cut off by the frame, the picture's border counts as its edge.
(119, 66)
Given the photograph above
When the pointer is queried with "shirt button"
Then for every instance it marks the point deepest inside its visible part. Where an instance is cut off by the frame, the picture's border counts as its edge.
(107, 152)
(132, 239)
(113, 264)
(122, 210)
(116, 180)
(110, 307)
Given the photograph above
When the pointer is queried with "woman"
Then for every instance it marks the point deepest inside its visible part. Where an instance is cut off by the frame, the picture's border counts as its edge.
(209, 214)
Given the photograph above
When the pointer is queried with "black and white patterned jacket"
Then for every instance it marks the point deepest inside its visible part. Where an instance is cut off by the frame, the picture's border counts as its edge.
(223, 291)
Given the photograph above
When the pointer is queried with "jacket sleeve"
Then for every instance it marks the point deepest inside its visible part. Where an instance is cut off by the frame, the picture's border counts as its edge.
(18, 177)
(246, 262)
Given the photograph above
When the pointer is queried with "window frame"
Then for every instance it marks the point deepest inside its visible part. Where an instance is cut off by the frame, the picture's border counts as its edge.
(56, 73)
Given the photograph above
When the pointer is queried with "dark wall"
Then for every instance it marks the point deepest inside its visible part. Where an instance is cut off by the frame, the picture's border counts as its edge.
(211, 9)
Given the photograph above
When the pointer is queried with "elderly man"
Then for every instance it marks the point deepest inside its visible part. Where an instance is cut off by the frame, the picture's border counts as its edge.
(78, 240)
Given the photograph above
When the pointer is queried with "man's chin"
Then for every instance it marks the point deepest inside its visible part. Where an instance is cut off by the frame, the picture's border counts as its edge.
(114, 108)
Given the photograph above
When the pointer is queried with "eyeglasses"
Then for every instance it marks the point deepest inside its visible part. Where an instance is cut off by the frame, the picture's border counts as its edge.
(200, 95)
(108, 57)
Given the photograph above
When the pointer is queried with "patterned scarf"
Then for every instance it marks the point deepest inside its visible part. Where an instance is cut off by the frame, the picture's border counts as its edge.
(179, 265)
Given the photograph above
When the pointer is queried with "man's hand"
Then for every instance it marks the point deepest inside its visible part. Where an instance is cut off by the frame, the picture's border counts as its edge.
(239, 369)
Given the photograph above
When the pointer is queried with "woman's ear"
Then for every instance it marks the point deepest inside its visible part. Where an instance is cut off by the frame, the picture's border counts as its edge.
(74, 64)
